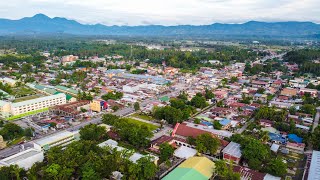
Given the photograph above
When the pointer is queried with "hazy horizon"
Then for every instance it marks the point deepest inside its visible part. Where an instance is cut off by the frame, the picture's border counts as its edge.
(166, 12)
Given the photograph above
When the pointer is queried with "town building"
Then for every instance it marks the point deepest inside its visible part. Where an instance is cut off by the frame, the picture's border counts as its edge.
(24, 159)
(314, 169)
(62, 138)
(8, 109)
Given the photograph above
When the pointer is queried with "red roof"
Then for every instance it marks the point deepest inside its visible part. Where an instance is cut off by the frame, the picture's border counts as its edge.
(186, 131)
(161, 140)
(247, 173)
(237, 104)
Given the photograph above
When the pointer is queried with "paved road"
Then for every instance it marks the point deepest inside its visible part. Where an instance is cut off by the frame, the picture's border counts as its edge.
(316, 119)
(245, 126)
(14, 150)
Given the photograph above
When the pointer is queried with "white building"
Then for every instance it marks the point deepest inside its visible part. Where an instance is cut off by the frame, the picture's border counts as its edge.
(24, 159)
(62, 138)
(8, 108)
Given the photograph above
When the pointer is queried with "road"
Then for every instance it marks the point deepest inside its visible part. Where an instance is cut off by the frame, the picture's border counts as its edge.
(14, 150)
(316, 119)
(240, 131)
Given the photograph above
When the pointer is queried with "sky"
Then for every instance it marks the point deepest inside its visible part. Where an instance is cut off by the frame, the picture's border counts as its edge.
(165, 12)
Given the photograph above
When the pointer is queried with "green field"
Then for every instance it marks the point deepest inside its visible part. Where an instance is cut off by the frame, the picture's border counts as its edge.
(27, 114)
(150, 126)
(142, 116)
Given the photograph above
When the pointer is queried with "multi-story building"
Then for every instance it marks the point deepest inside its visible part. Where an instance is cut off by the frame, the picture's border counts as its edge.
(12, 109)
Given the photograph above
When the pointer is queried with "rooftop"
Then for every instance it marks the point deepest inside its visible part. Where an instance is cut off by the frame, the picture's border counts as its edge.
(21, 156)
(233, 149)
(55, 137)
(199, 168)
(314, 171)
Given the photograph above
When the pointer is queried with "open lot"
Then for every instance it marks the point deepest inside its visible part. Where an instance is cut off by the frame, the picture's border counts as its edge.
(142, 116)
(22, 91)
(150, 126)
(28, 97)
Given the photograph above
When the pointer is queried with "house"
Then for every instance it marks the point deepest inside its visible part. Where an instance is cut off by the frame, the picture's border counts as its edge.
(220, 94)
(312, 92)
(280, 104)
(259, 84)
(249, 174)
(226, 123)
(187, 129)
(296, 147)
(220, 112)
(232, 152)
(266, 123)
(199, 168)
(289, 92)
(260, 97)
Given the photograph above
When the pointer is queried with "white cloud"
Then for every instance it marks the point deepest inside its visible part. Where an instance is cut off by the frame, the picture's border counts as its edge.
(166, 12)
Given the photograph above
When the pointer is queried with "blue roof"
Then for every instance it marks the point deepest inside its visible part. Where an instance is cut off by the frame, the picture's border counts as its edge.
(224, 122)
(277, 137)
(206, 123)
(258, 95)
(295, 138)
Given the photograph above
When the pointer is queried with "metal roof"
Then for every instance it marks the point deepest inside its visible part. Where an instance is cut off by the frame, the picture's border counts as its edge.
(233, 149)
(314, 172)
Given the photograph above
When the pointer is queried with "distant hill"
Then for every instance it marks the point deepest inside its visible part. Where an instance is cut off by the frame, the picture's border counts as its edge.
(42, 24)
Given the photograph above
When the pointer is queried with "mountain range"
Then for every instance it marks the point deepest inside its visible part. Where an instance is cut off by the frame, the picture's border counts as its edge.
(42, 24)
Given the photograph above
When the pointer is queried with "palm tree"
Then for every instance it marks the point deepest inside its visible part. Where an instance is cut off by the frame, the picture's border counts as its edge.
(264, 136)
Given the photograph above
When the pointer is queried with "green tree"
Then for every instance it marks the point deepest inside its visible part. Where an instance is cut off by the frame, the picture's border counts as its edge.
(136, 106)
(234, 79)
(205, 143)
(315, 140)
(92, 132)
(115, 108)
(11, 131)
(110, 119)
(166, 151)
(277, 167)
(225, 172)
(198, 101)
(209, 94)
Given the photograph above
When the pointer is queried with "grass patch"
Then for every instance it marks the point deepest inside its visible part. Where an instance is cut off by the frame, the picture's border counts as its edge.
(142, 116)
(150, 126)
(22, 91)
(27, 114)
(25, 98)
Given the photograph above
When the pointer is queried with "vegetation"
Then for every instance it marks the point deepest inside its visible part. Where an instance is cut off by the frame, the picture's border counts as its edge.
(134, 132)
(12, 131)
(84, 160)
(225, 172)
(112, 95)
(93, 132)
(136, 106)
(166, 151)
(258, 155)
(205, 143)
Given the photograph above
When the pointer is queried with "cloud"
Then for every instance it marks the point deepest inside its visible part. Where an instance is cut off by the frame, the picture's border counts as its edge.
(165, 12)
